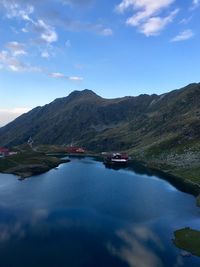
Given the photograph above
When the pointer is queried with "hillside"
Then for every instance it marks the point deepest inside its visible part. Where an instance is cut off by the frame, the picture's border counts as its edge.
(160, 130)
(77, 118)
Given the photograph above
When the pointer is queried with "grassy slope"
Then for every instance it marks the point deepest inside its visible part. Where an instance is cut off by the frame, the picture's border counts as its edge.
(161, 131)
(165, 137)
(180, 160)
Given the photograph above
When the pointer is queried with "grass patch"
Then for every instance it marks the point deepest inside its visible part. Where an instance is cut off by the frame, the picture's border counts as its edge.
(192, 174)
(28, 163)
(189, 240)
(6, 163)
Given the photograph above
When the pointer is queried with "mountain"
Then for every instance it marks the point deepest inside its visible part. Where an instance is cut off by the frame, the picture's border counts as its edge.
(161, 129)
(77, 118)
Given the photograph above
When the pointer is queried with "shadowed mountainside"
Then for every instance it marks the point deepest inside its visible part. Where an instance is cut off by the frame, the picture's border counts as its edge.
(163, 130)
(77, 118)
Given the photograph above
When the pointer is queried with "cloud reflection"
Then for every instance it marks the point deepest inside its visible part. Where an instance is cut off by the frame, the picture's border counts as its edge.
(19, 228)
(179, 261)
(8, 232)
(135, 251)
(39, 215)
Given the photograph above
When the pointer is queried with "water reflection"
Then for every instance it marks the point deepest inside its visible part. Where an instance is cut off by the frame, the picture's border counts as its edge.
(179, 261)
(136, 249)
(11, 231)
(39, 215)
(84, 215)
(72, 238)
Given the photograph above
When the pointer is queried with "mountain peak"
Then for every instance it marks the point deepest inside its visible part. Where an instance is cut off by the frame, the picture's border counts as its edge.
(83, 93)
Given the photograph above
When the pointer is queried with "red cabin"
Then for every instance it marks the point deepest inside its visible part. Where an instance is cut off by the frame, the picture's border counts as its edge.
(4, 151)
(73, 149)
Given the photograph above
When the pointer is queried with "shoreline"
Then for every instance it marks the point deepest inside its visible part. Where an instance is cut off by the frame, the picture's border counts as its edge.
(31, 169)
(180, 183)
(27, 171)
(29, 163)
(47, 161)
(34, 170)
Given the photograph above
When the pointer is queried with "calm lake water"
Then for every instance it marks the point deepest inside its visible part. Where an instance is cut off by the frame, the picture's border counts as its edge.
(86, 215)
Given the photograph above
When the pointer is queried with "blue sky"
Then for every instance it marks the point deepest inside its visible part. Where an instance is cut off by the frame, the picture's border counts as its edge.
(118, 47)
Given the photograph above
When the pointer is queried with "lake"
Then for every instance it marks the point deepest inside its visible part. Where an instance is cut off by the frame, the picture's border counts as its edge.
(86, 215)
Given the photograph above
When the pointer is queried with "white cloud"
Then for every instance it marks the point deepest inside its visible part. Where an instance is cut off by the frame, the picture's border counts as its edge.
(56, 75)
(185, 20)
(148, 7)
(98, 29)
(44, 23)
(75, 78)
(17, 49)
(23, 11)
(183, 36)
(59, 75)
(106, 32)
(196, 2)
(9, 62)
(145, 16)
(195, 5)
(24, 30)
(45, 54)
(47, 33)
(153, 26)
(18, 110)
(7, 115)
(17, 10)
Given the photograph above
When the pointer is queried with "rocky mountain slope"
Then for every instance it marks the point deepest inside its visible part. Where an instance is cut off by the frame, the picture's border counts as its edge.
(163, 130)
(78, 118)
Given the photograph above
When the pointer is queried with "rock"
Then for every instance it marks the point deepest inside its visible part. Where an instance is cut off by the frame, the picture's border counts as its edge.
(185, 253)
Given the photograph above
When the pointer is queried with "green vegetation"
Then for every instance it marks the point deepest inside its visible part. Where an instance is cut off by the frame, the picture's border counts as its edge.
(189, 240)
(192, 174)
(161, 131)
(54, 149)
(28, 163)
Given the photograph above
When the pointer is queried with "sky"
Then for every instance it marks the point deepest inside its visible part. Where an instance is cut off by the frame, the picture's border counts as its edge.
(49, 48)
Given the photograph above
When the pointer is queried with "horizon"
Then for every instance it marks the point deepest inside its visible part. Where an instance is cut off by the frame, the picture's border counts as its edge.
(50, 49)
(6, 117)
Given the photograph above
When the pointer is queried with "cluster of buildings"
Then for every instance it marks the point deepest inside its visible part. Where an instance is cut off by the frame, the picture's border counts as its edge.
(6, 152)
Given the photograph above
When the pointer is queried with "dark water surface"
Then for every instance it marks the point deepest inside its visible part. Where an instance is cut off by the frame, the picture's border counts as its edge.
(85, 215)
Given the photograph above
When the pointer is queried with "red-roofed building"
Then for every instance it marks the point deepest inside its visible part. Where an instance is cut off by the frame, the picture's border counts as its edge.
(73, 149)
(4, 151)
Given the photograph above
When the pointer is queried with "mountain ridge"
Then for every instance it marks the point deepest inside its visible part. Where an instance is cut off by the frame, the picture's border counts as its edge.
(162, 131)
(95, 108)
(76, 101)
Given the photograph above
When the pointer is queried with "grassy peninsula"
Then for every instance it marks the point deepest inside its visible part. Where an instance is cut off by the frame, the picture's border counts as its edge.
(28, 162)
